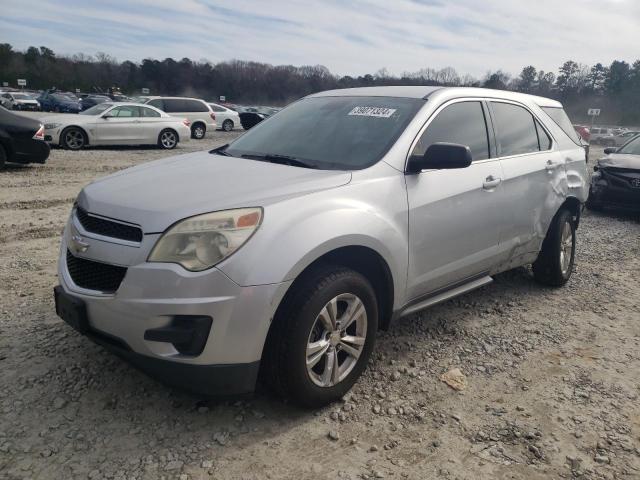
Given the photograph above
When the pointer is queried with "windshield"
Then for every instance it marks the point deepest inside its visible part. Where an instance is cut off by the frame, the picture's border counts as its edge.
(632, 147)
(333, 133)
(97, 109)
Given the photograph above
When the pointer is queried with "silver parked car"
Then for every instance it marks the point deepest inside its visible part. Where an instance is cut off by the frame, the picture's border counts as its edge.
(285, 251)
(116, 123)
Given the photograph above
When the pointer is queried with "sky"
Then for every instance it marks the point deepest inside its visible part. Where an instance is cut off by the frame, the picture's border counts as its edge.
(350, 37)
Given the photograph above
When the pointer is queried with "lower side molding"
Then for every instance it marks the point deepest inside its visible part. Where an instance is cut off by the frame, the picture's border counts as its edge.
(445, 294)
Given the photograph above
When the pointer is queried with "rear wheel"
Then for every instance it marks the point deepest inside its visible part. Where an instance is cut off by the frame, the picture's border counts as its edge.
(198, 130)
(227, 125)
(73, 138)
(168, 139)
(554, 264)
(322, 337)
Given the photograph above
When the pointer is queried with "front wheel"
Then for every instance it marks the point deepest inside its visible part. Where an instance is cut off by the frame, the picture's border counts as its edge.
(168, 139)
(322, 337)
(554, 264)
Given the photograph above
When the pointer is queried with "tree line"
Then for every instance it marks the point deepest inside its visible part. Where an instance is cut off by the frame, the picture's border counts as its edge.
(615, 88)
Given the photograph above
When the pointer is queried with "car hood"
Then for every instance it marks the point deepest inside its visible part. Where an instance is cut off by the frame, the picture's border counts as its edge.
(620, 160)
(158, 194)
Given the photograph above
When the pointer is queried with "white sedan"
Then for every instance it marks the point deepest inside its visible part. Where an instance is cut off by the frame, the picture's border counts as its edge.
(116, 123)
(226, 119)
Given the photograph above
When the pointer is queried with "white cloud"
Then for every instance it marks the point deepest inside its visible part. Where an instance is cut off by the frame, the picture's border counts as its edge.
(349, 37)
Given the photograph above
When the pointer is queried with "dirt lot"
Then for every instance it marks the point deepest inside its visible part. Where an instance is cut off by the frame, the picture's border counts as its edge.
(552, 375)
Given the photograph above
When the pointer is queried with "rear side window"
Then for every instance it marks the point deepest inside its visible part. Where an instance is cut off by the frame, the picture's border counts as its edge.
(148, 112)
(173, 105)
(462, 123)
(158, 103)
(561, 118)
(544, 140)
(515, 130)
(216, 108)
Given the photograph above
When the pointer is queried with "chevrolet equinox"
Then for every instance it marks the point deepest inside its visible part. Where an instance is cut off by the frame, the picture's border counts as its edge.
(281, 254)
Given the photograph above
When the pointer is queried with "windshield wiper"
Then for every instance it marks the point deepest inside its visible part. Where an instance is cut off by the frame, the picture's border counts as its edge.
(280, 159)
(221, 150)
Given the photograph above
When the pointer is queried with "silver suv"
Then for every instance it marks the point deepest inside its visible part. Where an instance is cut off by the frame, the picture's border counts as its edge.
(282, 253)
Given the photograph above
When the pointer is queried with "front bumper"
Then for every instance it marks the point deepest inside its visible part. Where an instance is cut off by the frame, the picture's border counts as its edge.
(152, 295)
(614, 190)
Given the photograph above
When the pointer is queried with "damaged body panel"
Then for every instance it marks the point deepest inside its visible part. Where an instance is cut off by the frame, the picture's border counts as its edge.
(616, 179)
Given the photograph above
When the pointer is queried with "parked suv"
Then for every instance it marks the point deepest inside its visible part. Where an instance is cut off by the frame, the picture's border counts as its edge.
(285, 251)
(198, 112)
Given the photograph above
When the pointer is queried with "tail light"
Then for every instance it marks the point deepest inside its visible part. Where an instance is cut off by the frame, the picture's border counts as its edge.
(186, 122)
(39, 134)
(213, 116)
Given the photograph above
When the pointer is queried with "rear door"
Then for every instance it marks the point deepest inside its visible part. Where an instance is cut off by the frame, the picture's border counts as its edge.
(534, 178)
(454, 214)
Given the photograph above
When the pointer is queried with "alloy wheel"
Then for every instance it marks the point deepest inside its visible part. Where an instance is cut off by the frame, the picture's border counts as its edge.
(198, 132)
(336, 340)
(74, 139)
(168, 139)
(566, 248)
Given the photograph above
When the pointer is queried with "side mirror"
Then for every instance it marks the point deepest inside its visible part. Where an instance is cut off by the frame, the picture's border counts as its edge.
(610, 150)
(441, 156)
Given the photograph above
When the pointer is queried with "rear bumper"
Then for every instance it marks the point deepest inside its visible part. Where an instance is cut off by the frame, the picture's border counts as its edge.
(32, 151)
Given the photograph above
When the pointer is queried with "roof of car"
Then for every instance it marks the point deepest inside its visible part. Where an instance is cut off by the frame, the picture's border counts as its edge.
(426, 92)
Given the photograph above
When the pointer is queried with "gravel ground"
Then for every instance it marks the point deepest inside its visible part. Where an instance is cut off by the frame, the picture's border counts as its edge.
(551, 376)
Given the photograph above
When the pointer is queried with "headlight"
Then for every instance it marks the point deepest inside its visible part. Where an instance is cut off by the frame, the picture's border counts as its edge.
(200, 242)
(51, 126)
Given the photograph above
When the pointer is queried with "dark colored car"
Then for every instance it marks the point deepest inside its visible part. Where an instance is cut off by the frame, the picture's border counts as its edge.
(59, 102)
(616, 181)
(21, 139)
(251, 116)
(89, 101)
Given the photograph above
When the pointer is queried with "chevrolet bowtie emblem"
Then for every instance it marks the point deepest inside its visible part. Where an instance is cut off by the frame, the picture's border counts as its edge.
(79, 244)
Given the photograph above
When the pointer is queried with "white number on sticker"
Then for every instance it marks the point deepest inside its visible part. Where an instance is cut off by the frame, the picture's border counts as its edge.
(380, 112)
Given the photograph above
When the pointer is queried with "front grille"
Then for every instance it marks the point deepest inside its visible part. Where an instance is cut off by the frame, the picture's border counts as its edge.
(108, 228)
(94, 275)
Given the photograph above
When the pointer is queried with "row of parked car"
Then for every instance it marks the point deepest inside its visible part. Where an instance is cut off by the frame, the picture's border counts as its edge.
(606, 136)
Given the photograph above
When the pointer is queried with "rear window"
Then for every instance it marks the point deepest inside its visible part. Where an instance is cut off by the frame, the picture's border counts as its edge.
(561, 118)
(183, 105)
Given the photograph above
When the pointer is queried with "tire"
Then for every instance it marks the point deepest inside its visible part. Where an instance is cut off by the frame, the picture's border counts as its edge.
(300, 333)
(554, 264)
(198, 130)
(73, 138)
(3, 157)
(227, 125)
(168, 139)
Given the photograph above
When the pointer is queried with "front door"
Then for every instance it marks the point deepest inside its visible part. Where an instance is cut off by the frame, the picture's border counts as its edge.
(455, 215)
(120, 126)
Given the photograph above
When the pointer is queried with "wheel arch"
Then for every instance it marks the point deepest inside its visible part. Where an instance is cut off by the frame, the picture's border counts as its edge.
(82, 129)
(574, 206)
(364, 260)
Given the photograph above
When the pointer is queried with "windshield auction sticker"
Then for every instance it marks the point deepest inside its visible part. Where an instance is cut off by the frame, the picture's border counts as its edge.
(380, 112)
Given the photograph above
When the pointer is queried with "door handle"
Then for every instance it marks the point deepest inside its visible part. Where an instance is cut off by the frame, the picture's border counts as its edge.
(550, 166)
(491, 182)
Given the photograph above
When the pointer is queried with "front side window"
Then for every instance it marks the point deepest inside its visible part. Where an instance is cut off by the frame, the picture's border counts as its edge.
(515, 130)
(126, 111)
(462, 123)
(333, 133)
